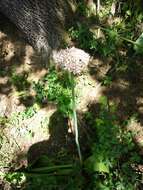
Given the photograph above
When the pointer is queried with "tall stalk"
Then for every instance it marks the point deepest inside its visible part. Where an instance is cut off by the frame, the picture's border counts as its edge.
(74, 115)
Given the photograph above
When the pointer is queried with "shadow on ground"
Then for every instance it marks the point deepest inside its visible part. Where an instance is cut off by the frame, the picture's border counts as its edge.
(59, 149)
(60, 140)
(125, 86)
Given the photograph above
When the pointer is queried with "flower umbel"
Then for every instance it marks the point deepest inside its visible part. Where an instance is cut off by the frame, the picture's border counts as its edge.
(72, 59)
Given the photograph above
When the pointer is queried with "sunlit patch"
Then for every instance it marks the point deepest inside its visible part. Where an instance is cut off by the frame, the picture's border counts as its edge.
(88, 90)
(2, 35)
(8, 50)
(29, 52)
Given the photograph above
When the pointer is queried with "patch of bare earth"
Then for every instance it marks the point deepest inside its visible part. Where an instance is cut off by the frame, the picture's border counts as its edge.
(18, 133)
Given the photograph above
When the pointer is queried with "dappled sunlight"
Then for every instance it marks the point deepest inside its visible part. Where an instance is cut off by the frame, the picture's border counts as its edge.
(8, 51)
(89, 91)
(2, 35)
(29, 52)
(20, 64)
(136, 128)
(43, 108)
(23, 131)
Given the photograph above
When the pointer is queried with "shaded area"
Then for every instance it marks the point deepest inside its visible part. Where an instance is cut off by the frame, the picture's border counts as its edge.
(124, 86)
(58, 150)
(60, 140)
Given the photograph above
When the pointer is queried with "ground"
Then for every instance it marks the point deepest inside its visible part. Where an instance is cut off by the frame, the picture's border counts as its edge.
(25, 135)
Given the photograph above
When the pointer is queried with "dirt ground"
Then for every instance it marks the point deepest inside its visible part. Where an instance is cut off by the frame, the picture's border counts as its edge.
(19, 135)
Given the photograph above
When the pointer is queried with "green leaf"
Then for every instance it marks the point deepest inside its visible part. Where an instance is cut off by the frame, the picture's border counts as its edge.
(99, 122)
(138, 47)
(95, 164)
(102, 187)
(103, 100)
(101, 167)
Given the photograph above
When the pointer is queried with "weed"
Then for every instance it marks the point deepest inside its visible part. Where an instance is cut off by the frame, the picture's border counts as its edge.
(55, 88)
(3, 120)
(29, 112)
(108, 166)
(114, 37)
(113, 153)
(107, 80)
(20, 81)
(84, 37)
(63, 93)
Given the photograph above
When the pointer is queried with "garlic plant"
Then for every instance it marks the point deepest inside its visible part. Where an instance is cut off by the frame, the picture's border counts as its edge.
(75, 61)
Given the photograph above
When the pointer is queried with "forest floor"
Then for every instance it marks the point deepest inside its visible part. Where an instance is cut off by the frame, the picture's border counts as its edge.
(23, 131)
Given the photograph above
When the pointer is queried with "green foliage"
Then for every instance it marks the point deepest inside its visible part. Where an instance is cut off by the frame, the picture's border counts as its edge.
(55, 88)
(109, 38)
(44, 174)
(113, 153)
(82, 9)
(28, 112)
(84, 37)
(107, 80)
(108, 165)
(139, 45)
(87, 11)
(16, 118)
(14, 178)
(88, 40)
(20, 81)
(3, 120)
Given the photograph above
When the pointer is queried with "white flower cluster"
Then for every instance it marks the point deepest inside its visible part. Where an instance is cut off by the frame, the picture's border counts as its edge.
(71, 59)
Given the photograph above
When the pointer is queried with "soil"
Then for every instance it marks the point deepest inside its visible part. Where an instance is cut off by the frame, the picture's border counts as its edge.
(18, 134)
(25, 139)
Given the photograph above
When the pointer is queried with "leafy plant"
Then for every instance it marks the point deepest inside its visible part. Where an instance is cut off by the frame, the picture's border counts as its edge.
(3, 120)
(107, 80)
(139, 45)
(84, 37)
(20, 81)
(60, 89)
(113, 153)
(55, 88)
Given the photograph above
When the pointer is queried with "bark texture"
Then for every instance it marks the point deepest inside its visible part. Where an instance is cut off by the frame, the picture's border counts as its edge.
(41, 21)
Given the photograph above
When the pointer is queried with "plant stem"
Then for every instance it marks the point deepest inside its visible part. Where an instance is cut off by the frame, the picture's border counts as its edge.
(75, 116)
(98, 6)
(51, 168)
